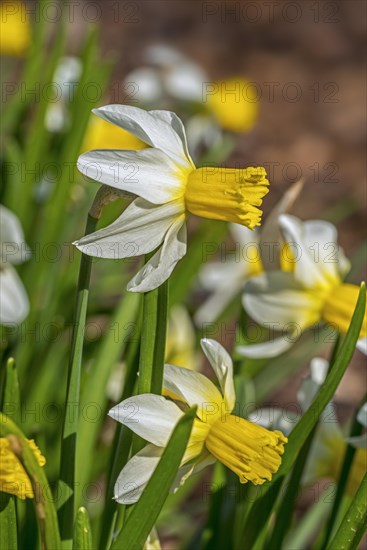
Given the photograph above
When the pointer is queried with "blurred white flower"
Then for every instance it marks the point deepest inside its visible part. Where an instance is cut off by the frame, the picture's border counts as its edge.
(64, 81)
(313, 292)
(14, 305)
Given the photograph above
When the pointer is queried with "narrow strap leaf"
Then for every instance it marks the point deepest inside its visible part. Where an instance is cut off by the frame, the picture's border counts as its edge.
(82, 531)
(354, 523)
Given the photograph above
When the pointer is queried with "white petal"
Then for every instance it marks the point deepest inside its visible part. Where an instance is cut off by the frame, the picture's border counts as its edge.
(149, 173)
(271, 239)
(275, 299)
(14, 249)
(222, 365)
(207, 459)
(359, 442)
(160, 129)
(14, 304)
(194, 389)
(173, 121)
(160, 266)
(140, 229)
(314, 244)
(150, 416)
(183, 473)
(362, 415)
(162, 55)
(185, 81)
(243, 236)
(362, 345)
(319, 369)
(134, 477)
(146, 85)
(272, 348)
(211, 309)
(222, 274)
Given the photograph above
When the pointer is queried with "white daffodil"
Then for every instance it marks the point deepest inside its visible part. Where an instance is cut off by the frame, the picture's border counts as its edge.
(328, 448)
(169, 187)
(313, 292)
(14, 305)
(253, 252)
(251, 451)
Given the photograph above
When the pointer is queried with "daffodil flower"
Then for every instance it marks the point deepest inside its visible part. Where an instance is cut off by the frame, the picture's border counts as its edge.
(250, 451)
(329, 445)
(13, 477)
(169, 187)
(313, 292)
(14, 305)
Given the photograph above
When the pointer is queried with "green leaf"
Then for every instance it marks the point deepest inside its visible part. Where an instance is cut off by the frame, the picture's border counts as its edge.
(82, 531)
(262, 508)
(71, 416)
(308, 526)
(11, 403)
(354, 523)
(146, 511)
(110, 351)
(287, 505)
(8, 522)
(44, 508)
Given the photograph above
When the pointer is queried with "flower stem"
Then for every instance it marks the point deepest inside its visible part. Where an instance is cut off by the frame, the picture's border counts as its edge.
(153, 340)
(71, 416)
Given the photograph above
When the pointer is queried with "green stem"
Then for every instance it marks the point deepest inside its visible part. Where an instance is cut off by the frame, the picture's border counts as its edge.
(153, 340)
(70, 420)
(354, 523)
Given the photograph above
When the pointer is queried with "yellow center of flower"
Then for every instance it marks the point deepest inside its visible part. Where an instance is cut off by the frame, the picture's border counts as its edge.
(227, 194)
(339, 307)
(13, 477)
(250, 451)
